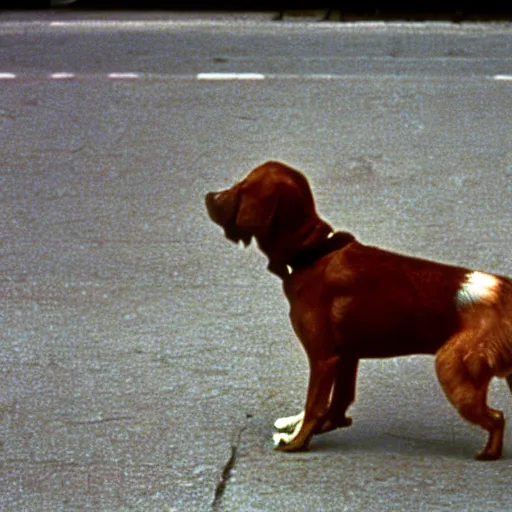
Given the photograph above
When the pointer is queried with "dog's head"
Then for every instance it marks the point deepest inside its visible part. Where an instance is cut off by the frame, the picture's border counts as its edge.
(273, 204)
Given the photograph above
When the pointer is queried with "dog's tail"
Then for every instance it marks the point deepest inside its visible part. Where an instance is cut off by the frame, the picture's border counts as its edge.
(508, 311)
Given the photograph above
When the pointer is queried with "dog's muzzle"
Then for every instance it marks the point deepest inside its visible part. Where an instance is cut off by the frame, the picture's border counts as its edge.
(225, 219)
(210, 200)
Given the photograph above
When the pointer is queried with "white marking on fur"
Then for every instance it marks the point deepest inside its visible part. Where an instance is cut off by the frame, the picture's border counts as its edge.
(478, 287)
(289, 423)
(281, 438)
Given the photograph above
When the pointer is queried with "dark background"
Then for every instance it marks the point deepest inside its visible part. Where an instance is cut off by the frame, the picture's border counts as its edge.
(332, 11)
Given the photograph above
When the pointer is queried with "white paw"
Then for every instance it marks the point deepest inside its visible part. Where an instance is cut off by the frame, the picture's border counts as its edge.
(289, 423)
(279, 438)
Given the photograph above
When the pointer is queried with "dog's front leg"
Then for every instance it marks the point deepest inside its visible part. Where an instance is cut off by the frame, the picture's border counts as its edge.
(321, 380)
(343, 394)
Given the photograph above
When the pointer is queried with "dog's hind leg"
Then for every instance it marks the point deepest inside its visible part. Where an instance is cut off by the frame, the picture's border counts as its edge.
(509, 382)
(465, 379)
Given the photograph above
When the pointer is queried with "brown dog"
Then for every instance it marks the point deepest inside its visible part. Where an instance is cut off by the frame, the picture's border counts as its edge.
(350, 301)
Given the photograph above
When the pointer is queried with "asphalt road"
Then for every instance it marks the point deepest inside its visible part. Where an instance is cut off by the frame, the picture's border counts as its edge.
(143, 357)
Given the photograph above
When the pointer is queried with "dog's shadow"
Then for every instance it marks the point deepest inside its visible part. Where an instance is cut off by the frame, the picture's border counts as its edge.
(390, 443)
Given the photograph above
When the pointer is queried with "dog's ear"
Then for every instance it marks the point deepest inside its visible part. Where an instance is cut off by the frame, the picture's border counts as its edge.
(255, 211)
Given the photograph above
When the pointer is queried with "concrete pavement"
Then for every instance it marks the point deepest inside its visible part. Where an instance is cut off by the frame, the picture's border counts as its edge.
(143, 357)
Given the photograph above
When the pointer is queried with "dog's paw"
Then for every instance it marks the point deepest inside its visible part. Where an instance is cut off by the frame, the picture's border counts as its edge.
(289, 423)
(289, 442)
(291, 427)
(332, 424)
(486, 454)
(280, 439)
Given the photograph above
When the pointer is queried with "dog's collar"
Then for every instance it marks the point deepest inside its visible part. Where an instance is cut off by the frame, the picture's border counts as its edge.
(334, 241)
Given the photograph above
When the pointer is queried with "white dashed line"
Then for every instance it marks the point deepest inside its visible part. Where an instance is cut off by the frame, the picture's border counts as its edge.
(230, 76)
(215, 76)
(121, 76)
(62, 76)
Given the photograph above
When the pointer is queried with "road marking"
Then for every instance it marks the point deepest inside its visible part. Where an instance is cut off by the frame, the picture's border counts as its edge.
(220, 76)
(62, 76)
(117, 24)
(230, 76)
(122, 76)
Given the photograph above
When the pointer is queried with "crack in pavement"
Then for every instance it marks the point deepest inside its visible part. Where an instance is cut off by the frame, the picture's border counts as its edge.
(228, 469)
